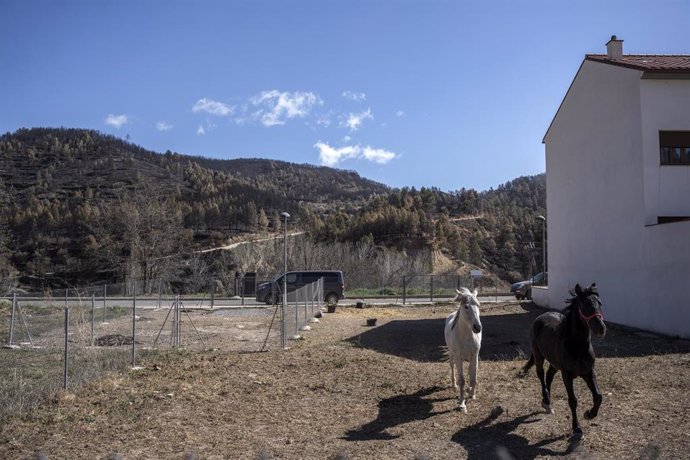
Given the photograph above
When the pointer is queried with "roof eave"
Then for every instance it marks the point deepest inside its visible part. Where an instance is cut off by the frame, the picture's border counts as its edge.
(543, 140)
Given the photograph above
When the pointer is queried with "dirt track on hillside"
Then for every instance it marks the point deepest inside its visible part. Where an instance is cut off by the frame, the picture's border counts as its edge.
(349, 391)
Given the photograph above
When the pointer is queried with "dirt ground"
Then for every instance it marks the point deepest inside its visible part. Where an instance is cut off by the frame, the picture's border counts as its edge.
(349, 391)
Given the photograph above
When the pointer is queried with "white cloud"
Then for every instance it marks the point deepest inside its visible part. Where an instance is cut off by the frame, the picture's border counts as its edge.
(331, 156)
(163, 126)
(324, 121)
(355, 120)
(399, 114)
(278, 107)
(347, 138)
(206, 127)
(116, 120)
(212, 107)
(353, 96)
(379, 156)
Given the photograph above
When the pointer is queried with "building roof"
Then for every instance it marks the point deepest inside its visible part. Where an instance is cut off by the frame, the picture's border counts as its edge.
(653, 63)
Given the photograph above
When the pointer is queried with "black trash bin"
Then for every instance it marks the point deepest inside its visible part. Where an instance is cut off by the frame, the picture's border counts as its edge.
(249, 284)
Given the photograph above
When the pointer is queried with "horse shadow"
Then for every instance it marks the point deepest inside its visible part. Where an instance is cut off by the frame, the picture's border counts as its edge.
(505, 338)
(395, 411)
(486, 439)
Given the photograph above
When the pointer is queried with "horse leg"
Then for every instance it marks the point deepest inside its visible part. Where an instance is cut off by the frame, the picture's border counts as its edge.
(451, 360)
(591, 380)
(474, 364)
(550, 373)
(461, 385)
(572, 402)
(539, 364)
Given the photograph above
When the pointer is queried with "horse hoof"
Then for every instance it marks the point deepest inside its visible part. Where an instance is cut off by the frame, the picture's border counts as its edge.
(547, 408)
(589, 415)
(463, 408)
(577, 435)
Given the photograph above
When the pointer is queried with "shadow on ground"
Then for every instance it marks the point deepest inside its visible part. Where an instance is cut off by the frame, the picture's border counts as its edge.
(487, 439)
(504, 337)
(396, 411)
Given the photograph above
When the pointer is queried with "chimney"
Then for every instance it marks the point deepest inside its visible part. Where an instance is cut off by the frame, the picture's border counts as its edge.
(614, 48)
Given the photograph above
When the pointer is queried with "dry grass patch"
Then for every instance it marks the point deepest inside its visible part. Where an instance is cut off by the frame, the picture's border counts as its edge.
(352, 391)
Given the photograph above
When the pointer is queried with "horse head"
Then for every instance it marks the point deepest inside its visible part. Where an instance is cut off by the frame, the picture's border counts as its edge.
(468, 308)
(588, 307)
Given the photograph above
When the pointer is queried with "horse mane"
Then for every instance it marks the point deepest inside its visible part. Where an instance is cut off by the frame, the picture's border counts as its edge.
(461, 292)
(570, 303)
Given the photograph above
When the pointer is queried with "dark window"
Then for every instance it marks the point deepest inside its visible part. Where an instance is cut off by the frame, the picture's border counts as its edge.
(674, 147)
(671, 219)
(309, 277)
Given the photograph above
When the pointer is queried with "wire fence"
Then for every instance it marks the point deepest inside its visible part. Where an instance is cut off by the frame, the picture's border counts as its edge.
(58, 339)
(51, 345)
(243, 286)
(302, 307)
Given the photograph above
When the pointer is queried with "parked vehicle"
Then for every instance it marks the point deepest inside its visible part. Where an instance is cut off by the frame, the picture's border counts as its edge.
(523, 289)
(333, 285)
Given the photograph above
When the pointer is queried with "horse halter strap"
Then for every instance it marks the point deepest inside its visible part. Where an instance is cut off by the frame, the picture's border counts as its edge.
(587, 318)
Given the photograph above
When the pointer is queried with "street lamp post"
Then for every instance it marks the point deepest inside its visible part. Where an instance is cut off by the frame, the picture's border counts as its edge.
(543, 246)
(285, 216)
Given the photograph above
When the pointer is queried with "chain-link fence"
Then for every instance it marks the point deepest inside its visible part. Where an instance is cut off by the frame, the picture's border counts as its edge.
(434, 288)
(302, 307)
(60, 338)
(50, 344)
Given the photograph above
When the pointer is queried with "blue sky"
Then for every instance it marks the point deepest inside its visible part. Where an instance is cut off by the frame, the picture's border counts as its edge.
(445, 94)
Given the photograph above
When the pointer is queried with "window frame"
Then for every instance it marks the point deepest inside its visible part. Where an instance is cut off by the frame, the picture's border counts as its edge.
(674, 148)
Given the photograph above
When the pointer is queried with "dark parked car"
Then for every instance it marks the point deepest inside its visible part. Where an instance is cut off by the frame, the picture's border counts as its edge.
(523, 289)
(333, 285)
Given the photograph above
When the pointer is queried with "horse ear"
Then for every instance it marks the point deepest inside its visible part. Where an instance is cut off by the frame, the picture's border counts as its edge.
(474, 293)
(458, 292)
(578, 289)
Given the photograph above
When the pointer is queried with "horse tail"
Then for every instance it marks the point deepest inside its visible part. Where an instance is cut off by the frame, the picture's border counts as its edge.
(527, 367)
(445, 352)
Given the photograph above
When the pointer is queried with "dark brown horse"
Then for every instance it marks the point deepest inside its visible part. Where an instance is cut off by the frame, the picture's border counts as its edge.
(564, 340)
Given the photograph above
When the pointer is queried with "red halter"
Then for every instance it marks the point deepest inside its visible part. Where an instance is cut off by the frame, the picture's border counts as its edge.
(587, 318)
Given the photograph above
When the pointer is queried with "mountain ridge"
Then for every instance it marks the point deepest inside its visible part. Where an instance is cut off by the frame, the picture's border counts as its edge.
(77, 203)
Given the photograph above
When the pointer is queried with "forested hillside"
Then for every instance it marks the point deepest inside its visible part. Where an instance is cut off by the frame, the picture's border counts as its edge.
(81, 207)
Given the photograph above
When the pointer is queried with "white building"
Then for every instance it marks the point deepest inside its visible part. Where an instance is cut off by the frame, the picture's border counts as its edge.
(618, 189)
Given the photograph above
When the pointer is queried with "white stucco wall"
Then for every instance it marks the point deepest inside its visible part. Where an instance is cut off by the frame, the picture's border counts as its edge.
(665, 304)
(604, 190)
(665, 106)
(540, 296)
(594, 190)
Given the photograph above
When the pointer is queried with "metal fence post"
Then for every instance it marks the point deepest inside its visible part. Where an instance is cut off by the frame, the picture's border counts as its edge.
(160, 282)
(431, 288)
(105, 291)
(213, 293)
(64, 375)
(404, 293)
(14, 306)
(134, 323)
(93, 315)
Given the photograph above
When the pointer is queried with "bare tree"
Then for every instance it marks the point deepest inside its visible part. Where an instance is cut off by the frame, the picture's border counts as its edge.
(143, 234)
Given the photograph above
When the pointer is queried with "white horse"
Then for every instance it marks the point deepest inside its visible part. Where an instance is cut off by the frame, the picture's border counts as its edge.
(463, 334)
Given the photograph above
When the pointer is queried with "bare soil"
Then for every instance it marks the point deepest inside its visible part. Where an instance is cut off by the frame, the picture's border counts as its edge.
(349, 391)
